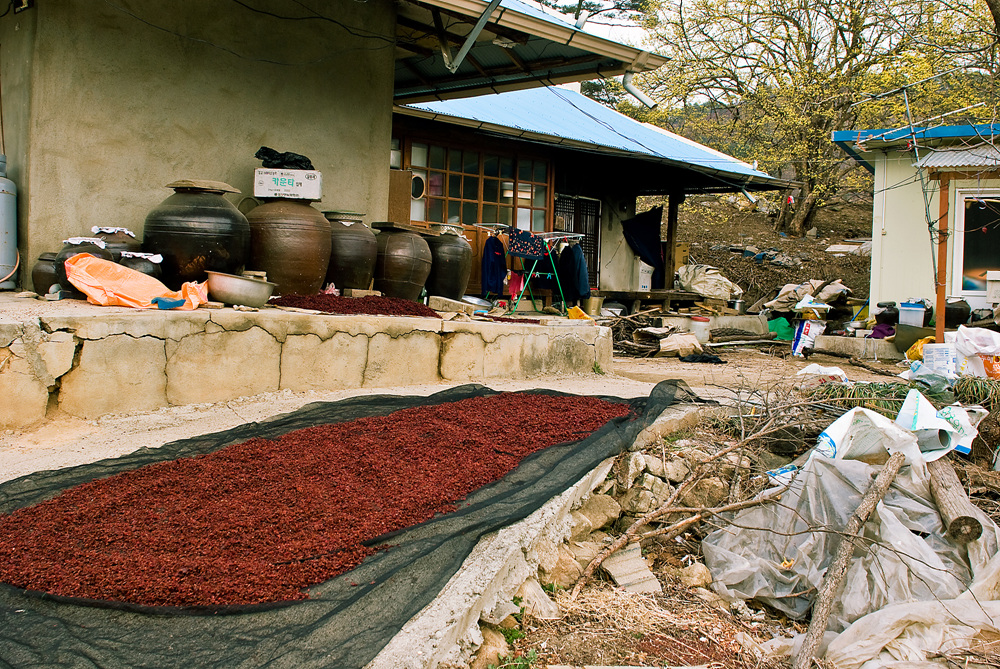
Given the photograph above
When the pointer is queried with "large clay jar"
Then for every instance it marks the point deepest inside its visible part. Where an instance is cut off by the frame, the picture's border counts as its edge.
(452, 264)
(43, 274)
(291, 242)
(118, 240)
(83, 245)
(403, 263)
(353, 251)
(195, 230)
(140, 264)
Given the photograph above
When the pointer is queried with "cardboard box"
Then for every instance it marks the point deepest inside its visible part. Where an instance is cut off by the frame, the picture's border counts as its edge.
(643, 276)
(682, 252)
(291, 184)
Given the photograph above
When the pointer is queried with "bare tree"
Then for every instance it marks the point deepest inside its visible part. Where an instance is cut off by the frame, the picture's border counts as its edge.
(785, 73)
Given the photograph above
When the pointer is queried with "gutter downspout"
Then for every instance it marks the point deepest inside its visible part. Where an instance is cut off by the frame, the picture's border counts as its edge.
(635, 92)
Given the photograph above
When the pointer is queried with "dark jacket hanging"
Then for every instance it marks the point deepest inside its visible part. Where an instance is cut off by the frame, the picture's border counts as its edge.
(494, 266)
(573, 273)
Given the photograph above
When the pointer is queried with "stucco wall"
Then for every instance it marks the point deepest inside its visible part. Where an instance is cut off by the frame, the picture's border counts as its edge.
(618, 262)
(902, 265)
(110, 101)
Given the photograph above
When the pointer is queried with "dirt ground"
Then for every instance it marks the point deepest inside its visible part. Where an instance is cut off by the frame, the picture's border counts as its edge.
(709, 222)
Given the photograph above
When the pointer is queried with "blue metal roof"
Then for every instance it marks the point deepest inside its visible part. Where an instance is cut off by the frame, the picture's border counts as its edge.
(897, 135)
(855, 143)
(563, 116)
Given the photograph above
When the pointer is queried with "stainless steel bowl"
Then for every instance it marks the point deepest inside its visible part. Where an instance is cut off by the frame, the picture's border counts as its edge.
(242, 290)
(476, 301)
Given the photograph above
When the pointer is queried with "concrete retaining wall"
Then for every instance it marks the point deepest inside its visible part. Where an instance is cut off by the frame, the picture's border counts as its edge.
(95, 364)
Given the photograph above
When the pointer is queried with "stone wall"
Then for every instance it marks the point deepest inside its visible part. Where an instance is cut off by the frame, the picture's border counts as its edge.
(92, 365)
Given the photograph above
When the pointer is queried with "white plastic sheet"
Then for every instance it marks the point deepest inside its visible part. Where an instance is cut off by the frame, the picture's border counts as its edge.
(707, 281)
(778, 554)
(909, 591)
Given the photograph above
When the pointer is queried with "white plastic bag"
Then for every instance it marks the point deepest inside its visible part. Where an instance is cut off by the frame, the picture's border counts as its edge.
(805, 336)
(708, 282)
(953, 427)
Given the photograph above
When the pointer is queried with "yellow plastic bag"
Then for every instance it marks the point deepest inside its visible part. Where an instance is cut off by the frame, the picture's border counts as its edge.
(577, 312)
(107, 283)
(916, 351)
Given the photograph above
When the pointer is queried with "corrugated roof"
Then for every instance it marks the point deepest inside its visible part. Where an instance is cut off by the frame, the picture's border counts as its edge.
(984, 155)
(521, 46)
(565, 117)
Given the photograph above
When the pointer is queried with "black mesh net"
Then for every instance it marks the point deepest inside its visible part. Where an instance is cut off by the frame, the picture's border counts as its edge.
(348, 619)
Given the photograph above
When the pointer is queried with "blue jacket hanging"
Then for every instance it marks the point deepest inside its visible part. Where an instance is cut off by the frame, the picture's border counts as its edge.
(494, 266)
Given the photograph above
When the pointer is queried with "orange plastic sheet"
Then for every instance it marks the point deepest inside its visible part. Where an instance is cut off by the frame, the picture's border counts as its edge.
(109, 284)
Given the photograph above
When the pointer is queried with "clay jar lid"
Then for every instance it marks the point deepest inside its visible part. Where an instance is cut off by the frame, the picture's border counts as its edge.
(202, 184)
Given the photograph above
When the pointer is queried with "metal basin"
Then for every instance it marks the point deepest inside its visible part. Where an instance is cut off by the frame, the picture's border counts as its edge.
(242, 290)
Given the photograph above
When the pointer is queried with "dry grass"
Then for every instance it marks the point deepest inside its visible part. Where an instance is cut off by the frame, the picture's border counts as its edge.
(608, 626)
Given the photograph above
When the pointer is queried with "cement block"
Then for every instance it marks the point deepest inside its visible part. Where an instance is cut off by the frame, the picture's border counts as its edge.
(9, 331)
(310, 363)
(221, 366)
(57, 351)
(411, 358)
(118, 374)
(859, 347)
(516, 356)
(444, 304)
(462, 356)
(161, 324)
(25, 396)
(672, 420)
(570, 355)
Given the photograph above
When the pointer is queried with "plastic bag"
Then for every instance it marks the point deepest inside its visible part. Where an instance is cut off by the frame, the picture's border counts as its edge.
(916, 351)
(680, 345)
(782, 328)
(708, 282)
(953, 427)
(577, 313)
(779, 553)
(109, 284)
(978, 352)
(817, 375)
(805, 336)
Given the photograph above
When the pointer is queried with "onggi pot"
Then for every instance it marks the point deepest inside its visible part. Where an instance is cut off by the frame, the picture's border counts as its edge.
(197, 229)
(353, 251)
(451, 265)
(291, 242)
(403, 263)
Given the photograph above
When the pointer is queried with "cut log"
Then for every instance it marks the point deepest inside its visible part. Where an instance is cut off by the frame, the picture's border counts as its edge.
(953, 503)
(842, 558)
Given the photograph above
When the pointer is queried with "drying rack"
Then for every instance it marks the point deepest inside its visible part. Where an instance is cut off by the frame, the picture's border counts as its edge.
(549, 240)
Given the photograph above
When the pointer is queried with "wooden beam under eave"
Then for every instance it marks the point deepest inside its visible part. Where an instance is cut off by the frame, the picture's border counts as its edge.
(956, 175)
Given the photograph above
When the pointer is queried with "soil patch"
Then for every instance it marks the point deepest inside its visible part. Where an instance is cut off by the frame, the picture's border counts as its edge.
(711, 225)
(370, 305)
(260, 521)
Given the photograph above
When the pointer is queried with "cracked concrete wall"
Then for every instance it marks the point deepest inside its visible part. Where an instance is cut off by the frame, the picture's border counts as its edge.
(102, 363)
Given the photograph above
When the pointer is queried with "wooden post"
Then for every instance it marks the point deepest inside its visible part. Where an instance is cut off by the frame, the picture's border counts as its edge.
(953, 503)
(838, 568)
(673, 205)
(942, 259)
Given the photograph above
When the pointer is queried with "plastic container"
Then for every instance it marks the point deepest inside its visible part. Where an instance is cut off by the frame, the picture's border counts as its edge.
(911, 313)
(941, 359)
